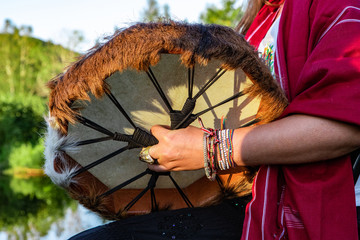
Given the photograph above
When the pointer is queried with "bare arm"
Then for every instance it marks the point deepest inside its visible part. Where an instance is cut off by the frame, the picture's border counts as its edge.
(291, 140)
(296, 139)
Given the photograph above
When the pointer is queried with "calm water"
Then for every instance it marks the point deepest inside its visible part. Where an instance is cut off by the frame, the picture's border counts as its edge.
(34, 209)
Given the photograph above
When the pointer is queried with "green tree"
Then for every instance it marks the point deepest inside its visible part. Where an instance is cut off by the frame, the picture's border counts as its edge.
(75, 38)
(21, 127)
(166, 11)
(8, 26)
(227, 14)
(26, 63)
(152, 12)
(26, 30)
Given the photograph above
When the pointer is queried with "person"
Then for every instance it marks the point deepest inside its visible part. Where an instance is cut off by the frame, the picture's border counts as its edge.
(304, 187)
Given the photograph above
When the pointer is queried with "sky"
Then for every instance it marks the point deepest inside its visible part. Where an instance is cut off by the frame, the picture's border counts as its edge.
(56, 20)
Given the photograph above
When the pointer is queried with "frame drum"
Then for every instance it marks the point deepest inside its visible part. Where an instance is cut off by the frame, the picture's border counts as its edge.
(103, 106)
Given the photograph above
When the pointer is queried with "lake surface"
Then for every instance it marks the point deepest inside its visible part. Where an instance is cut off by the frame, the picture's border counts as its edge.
(34, 208)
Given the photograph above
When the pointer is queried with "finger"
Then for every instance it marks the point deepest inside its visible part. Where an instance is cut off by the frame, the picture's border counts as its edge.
(162, 168)
(153, 151)
(158, 130)
(157, 168)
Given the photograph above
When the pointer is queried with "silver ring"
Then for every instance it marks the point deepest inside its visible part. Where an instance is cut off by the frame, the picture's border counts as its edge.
(145, 156)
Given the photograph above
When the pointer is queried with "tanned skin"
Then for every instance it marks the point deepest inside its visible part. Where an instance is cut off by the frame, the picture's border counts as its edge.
(292, 140)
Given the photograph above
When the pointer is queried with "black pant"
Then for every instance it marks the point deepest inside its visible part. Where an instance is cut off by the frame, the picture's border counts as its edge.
(223, 221)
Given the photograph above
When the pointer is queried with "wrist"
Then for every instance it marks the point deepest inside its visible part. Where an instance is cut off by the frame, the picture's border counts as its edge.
(239, 143)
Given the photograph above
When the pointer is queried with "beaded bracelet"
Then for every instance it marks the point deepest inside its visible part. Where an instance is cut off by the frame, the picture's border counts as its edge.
(218, 150)
(210, 174)
(226, 159)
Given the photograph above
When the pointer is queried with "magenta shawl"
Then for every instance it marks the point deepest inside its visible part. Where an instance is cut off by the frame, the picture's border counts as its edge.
(318, 64)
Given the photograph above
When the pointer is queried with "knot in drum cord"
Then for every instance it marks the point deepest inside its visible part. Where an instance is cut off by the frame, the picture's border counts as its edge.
(144, 138)
(140, 138)
(183, 117)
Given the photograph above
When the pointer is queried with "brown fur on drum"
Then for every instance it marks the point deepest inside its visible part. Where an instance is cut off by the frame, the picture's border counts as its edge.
(139, 47)
(130, 49)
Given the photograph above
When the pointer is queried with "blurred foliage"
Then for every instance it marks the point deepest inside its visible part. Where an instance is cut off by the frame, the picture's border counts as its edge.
(28, 205)
(75, 38)
(153, 12)
(21, 128)
(27, 155)
(227, 14)
(26, 63)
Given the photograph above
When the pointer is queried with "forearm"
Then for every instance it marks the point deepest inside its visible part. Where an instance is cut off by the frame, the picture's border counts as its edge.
(291, 140)
(294, 139)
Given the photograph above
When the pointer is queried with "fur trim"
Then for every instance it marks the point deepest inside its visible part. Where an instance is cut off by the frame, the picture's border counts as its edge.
(140, 46)
(55, 147)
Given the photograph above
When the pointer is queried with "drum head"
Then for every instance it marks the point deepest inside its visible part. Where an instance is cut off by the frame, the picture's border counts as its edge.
(137, 95)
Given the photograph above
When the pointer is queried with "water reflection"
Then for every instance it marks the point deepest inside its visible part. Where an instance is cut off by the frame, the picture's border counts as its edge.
(35, 208)
(73, 223)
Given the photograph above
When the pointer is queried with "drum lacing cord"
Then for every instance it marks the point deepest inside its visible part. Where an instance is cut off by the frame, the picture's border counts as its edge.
(97, 162)
(183, 118)
(121, 109)
(139, 137)
(151, 185)
(157, 86)
(177, 117)
(139, 134)
(187, 120)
